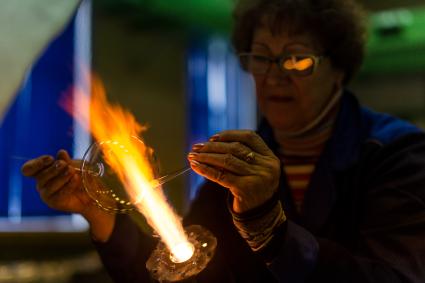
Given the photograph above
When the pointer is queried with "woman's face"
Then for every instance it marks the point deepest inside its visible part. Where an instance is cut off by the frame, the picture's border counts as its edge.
(288, 102)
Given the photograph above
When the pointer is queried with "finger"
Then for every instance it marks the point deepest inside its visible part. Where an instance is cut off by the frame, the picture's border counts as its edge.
(51, 172)
(226, 179)
(34, 166)
(63, 155)
(73, 184)
(57, 183)
(247, 137)
(225, 161)
(237, 149)
(71, 187)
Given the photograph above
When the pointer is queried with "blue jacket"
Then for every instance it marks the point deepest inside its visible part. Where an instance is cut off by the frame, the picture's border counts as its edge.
(363, 218)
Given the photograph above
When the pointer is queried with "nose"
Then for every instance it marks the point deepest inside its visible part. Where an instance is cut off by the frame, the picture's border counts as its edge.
(276, 77)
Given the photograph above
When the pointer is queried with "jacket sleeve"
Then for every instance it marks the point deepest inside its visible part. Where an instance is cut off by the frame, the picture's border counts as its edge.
(390, 240)
(124, 255)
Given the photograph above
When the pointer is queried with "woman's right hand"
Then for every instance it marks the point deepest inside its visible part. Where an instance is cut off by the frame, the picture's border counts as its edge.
(58, 183)
(61, 188)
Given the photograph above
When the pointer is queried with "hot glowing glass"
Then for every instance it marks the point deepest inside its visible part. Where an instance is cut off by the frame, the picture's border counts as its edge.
(104, 186)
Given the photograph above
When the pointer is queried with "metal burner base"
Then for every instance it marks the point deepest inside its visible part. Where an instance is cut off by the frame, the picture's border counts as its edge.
(163, 269)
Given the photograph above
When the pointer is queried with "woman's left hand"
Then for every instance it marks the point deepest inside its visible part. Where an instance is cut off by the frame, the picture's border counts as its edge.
(240, 161)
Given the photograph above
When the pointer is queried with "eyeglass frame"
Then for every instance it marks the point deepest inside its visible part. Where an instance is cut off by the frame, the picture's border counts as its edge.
(279, 59)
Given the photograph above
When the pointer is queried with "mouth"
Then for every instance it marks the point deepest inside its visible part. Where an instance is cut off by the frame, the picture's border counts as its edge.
(281, 99)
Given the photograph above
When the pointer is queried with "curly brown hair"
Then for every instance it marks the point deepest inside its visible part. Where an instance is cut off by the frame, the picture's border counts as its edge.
(339, 26)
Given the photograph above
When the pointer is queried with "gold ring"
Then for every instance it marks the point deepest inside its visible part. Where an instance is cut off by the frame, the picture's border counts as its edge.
(250, 157)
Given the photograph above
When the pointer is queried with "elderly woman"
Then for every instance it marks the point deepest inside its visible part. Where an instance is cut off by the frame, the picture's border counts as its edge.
(325, 191)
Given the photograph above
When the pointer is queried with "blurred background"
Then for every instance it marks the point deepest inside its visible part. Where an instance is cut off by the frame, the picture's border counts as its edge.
(171, 64)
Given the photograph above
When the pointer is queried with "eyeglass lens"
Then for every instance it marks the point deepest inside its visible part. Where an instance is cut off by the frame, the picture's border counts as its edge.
(299, 65)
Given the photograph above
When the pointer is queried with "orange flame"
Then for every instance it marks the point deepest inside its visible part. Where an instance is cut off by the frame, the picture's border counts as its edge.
(130, 161)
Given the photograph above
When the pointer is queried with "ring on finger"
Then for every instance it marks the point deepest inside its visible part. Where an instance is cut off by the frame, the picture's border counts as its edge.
(250, 157)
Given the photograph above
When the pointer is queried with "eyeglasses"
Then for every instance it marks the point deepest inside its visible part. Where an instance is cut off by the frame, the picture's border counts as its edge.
(300, 65)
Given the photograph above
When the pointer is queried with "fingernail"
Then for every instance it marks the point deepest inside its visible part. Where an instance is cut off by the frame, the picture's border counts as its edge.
(47, 160)
(195, 163)
(192, 155)
(214, 138)
(197, 146)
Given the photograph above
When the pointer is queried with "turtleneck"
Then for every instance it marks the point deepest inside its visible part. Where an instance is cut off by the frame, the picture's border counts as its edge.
(299, 151)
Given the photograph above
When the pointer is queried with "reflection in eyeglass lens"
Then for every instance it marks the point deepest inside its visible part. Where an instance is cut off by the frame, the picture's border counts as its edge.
(298, 63)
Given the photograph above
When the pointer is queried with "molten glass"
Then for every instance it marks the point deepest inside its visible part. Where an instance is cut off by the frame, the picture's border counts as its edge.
(101, 182)
(105, 187)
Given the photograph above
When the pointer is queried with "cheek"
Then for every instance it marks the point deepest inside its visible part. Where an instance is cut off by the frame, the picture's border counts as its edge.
(260, 98)
(258, 80)
(259, 88)
(320, 87)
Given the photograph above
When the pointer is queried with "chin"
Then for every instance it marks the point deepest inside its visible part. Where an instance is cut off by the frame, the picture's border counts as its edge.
(282, 125)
